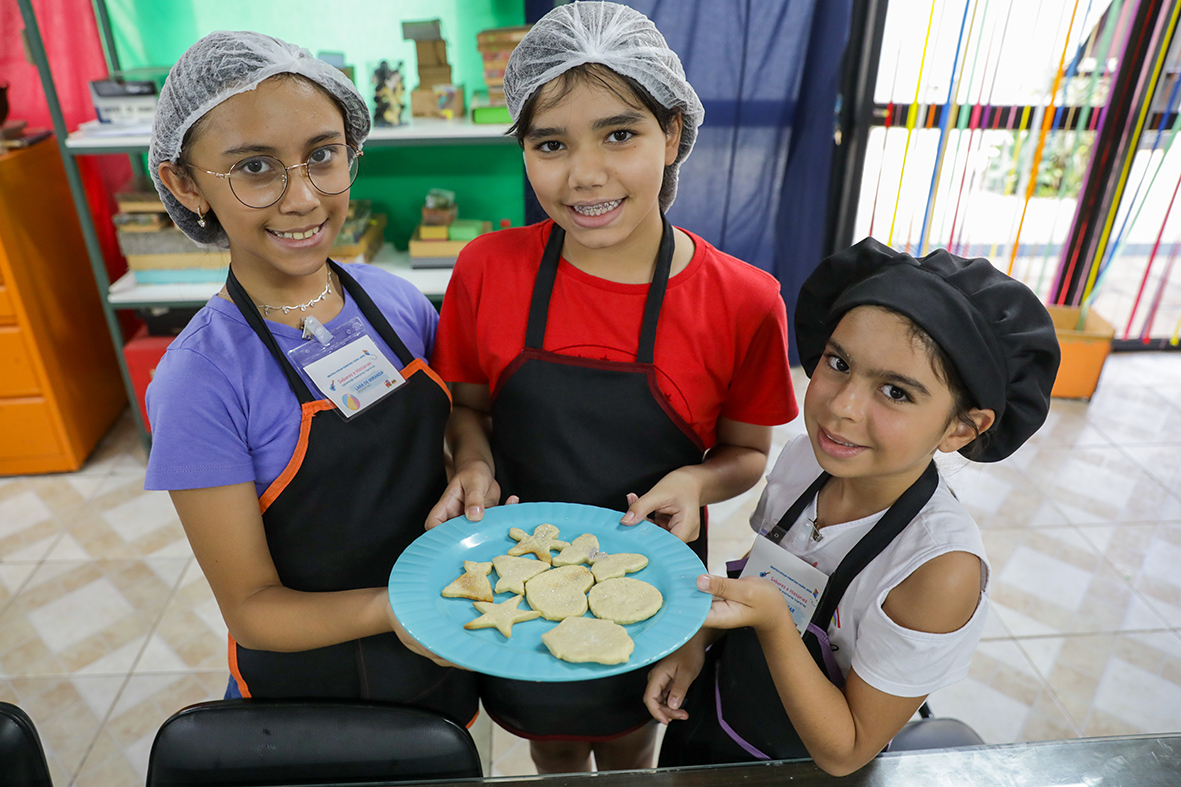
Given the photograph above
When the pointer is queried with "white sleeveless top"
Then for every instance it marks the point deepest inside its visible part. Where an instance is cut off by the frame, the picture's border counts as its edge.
(892, 659)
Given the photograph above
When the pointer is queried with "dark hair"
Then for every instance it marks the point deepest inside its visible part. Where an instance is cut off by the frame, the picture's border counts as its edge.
(194, 131)
(962, 400)
(598, 74)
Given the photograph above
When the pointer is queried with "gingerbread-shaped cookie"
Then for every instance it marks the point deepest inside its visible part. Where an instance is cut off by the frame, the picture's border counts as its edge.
(580, 550)
(544, 539)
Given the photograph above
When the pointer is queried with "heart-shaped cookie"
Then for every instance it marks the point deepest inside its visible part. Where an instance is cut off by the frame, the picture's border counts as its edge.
(560, 592)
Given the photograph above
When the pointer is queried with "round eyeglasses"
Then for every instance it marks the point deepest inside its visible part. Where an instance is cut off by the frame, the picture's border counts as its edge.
(261, 181)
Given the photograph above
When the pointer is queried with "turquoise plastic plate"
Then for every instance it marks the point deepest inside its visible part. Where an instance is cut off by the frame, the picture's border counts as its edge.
(436, 558)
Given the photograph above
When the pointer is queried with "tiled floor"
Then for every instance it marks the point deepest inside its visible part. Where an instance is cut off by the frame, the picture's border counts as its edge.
(107, 625)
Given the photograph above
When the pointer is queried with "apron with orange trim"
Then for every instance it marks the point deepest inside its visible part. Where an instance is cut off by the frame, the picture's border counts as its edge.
(355, 493)
(577, 430)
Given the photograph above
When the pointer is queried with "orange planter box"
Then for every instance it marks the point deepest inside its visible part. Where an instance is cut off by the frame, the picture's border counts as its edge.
(1083, 352)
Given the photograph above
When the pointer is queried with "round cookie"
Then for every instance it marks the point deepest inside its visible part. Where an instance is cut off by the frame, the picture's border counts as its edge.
(624, 600)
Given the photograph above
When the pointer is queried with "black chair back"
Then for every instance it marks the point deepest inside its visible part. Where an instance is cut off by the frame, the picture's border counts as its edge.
(257, 743)
(22, 760)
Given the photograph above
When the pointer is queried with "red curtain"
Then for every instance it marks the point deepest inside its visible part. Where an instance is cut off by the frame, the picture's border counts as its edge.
(72, 43)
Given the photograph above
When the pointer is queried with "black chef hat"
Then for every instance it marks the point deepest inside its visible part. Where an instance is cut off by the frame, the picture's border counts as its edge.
(993, 328)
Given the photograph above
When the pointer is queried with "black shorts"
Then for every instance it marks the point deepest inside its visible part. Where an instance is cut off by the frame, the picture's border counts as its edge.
(587, 710)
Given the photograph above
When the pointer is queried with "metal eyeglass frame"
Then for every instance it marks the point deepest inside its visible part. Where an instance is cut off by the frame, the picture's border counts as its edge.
(286, 178)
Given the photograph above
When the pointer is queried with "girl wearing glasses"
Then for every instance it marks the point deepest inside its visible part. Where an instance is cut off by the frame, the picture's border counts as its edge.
(298, 484)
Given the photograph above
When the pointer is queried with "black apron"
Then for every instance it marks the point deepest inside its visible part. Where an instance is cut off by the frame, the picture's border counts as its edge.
(577, 430)
(354, 495)
(735, 714)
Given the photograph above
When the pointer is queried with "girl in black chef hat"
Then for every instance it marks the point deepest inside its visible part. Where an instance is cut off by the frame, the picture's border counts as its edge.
(862, 547)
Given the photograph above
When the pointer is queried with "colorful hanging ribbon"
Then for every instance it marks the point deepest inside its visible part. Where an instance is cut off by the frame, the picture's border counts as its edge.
(911, 116)
(1041, 142)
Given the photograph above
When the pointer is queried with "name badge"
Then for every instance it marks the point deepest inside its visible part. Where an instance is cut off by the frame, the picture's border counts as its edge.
(350, 370)
(800, 583)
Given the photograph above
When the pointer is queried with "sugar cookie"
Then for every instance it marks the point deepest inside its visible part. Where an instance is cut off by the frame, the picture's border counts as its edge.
(513, 571)
(580, 551)
(624, 600)
(500, 616)
(544, 538)
(589, 639)
(609, 566)
(560, 592)
(473, 583)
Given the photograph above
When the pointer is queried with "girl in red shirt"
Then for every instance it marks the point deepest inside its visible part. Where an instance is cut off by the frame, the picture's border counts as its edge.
(605, 357)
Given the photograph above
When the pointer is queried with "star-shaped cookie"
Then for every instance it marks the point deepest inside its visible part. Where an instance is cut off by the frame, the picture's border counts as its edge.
(500, 616)
(473, 583)
(608, 566)
(513, 571)
(544, 538)
(579, 551)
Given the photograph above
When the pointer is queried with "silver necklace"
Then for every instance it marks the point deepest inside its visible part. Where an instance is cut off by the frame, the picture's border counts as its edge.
(303, 307)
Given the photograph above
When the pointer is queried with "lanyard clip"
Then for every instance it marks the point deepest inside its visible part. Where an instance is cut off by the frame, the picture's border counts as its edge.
(314, 328)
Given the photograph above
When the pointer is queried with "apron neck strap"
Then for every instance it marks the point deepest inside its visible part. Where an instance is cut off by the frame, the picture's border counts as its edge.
(368, 308)
(255, 321)
(374, 315)
(785, 522)
(893, 522)
(546, 275)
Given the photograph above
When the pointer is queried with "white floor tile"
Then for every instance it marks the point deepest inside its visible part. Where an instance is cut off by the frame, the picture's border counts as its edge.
(1139, 697)
(74, 617)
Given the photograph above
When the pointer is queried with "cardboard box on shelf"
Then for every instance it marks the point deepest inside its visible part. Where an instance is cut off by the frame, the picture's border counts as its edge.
(434, 75)
(431, 52)
(1083, 351)
(449, 101)
(425, 102)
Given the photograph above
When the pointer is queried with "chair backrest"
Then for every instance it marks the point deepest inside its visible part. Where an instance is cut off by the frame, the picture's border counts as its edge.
(935, 733)
(22, 760)
(253, 742)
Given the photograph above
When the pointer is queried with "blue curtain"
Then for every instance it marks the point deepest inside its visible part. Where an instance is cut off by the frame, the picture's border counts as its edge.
(768, 73)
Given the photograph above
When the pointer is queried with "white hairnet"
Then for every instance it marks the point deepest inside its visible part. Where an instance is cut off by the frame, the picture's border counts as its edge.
(219, 66)
(619, 38)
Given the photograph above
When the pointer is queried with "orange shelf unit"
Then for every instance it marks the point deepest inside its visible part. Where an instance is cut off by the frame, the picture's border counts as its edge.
(60, 385)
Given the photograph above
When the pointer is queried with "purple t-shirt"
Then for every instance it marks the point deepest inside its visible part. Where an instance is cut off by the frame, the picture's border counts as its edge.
(221, 409)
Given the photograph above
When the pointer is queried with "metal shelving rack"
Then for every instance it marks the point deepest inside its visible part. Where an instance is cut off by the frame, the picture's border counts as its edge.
(125, 293)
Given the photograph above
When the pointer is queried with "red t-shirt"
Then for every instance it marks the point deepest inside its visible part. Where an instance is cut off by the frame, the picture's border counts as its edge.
(721, 343)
